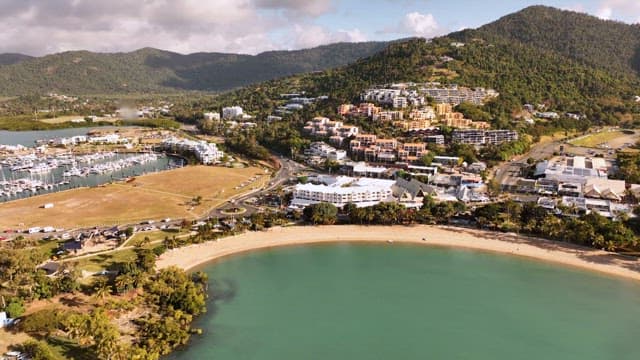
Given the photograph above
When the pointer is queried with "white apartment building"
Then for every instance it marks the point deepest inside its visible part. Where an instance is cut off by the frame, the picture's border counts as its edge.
(107, 139)
(342, 190)
(231, 112)
(206, 153)
(400, 102)
(324, 151)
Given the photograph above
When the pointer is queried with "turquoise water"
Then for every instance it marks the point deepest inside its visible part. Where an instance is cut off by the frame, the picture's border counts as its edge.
(347, 301)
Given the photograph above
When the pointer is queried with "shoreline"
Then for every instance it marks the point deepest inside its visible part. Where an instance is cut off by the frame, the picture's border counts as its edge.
(563, 254)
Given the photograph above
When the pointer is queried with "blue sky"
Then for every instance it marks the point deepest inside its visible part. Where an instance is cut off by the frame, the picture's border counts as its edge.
(38, 27)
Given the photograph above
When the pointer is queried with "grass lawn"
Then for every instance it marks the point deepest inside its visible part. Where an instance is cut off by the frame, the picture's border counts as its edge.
(593, 140)
(102, 261)
(154, 196)
(156, 235)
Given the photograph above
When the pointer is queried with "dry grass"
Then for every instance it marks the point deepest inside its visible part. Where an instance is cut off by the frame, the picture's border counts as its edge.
(593, 140)
(67, 118)
(155, 196)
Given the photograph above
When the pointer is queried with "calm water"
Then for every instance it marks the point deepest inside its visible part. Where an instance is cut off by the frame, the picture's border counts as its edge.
(28, 138)
(401, 302)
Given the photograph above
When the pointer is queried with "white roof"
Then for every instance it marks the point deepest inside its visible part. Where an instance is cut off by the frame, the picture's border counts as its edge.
(347, 185)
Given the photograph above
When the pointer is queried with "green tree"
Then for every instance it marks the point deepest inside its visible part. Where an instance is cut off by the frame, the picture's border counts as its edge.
(321, 214)
(15, 308)
(39, 350)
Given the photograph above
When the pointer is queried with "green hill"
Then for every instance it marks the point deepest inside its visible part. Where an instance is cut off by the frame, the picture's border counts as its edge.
(152, 70)
(514, 55)
(591, 41)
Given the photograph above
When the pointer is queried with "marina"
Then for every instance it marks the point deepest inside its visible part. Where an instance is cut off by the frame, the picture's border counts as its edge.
(35, 172)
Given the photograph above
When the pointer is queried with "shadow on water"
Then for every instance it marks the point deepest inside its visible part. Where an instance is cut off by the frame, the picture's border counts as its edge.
(222, 290)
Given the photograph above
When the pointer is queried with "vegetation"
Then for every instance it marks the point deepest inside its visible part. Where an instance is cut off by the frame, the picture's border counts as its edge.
(321, 214)
(587, 229)
(583, 229)
(151, 70)
(169, 299)
(629, 167)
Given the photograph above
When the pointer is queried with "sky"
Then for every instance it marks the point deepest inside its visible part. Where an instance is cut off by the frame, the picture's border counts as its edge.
(39, 27)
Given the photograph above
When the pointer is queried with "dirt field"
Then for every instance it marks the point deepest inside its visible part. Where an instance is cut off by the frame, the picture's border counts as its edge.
(8, 338)
(155, 196)
(612, 139)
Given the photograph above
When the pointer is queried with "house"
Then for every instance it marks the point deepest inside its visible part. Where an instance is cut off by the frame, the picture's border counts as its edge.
(73, 245)
(411, 193)
(51, 268)
(600, 188)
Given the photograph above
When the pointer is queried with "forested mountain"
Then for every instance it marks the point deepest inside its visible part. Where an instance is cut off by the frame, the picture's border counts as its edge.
(529, 57)
(609, 45)
(152, 70)
(9, 58)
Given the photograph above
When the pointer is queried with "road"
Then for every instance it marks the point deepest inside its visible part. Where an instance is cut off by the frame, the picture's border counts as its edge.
(288, 169)
(538, 152)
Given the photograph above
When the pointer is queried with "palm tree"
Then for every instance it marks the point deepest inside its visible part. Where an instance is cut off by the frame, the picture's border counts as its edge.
(101, 289)
(124, 283)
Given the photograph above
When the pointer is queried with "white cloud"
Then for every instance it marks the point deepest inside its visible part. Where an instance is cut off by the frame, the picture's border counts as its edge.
(620, 9)
(314, 35)
(575, 7)
(424, 25)
(38, 27)
(297, 7)
(604, 13)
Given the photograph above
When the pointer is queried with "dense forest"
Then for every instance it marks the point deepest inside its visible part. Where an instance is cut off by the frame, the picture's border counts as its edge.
(153, 70)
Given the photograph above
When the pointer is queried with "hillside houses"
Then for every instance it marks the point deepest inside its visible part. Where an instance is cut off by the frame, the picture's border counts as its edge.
(411, 94)
(336, 130)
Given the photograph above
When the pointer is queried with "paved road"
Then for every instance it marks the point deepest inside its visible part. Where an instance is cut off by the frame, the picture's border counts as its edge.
(288, 169)
(538, 152)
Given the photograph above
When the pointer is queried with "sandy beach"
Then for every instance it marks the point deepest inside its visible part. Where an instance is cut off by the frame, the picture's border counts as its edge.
(511, 244)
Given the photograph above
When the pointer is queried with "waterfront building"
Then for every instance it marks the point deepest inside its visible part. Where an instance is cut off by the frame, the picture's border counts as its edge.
(342, 190)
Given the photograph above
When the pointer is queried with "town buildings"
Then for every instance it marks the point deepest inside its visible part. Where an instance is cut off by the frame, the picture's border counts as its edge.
(321, 151)
(484, 137)
(336, 130)
(206, 153)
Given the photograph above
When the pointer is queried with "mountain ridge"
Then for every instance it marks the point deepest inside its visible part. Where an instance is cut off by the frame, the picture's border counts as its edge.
(155, 70)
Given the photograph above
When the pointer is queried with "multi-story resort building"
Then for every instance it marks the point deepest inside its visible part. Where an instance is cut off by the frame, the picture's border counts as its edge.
(342, 190)
(206, 153)
(385, 116)
(322, 150)
(336, 131)
(484, 137)
(413, 125)
(426, 113)
(451, 94)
